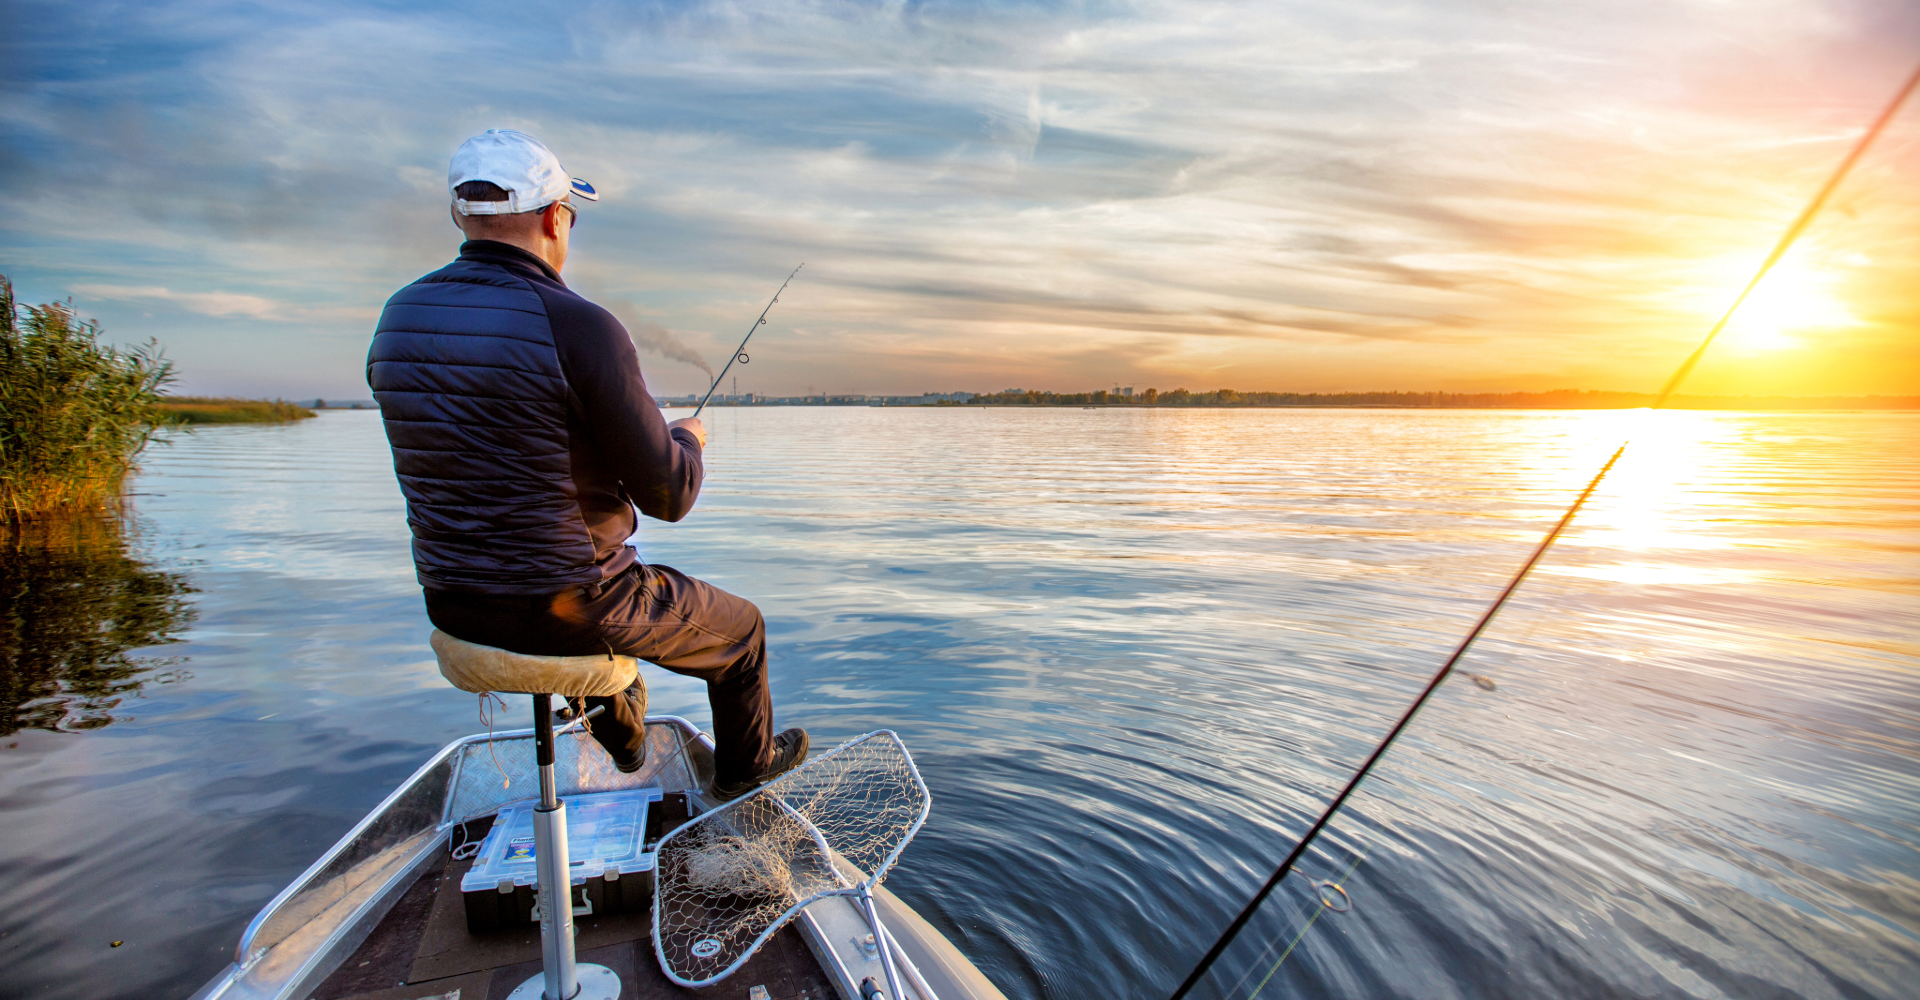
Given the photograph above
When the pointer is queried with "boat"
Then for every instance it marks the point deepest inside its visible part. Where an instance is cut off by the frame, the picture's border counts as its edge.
(380, 916)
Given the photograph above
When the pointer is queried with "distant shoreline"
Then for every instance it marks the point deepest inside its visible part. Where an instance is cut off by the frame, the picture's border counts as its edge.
(1700, 403)
(229, 410)
(1905, 408)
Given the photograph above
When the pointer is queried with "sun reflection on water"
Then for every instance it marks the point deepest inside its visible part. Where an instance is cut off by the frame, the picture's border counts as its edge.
(1667, 495)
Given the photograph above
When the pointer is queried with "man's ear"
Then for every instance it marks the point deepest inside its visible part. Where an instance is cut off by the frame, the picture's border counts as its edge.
(550, 223)
(453, 214)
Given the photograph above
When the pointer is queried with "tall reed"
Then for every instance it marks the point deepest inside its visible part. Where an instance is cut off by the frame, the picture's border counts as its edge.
(74, 413)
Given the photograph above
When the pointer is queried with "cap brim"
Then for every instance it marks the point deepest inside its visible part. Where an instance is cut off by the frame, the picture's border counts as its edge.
(581, 189)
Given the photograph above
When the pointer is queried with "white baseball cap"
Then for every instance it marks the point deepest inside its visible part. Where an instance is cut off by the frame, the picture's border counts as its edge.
(516, 162)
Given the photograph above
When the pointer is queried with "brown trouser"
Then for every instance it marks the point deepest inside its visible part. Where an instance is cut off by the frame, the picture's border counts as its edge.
(660, 615)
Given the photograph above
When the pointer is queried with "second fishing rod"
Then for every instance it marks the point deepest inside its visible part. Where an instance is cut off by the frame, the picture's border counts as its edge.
(740, 353)
(1672, 385)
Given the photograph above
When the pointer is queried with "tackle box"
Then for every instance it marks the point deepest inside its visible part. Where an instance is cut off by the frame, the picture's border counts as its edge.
(606, 840)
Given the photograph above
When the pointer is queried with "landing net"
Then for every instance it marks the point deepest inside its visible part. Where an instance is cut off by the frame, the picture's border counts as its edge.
(732, 877)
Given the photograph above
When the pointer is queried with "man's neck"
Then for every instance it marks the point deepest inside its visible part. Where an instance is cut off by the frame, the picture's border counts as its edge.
(510, 248)
(547, 251)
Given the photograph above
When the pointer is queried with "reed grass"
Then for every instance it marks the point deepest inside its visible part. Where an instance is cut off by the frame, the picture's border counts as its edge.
(74, 413)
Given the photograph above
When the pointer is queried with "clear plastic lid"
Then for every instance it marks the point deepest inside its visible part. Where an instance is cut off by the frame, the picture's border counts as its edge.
(605, 832)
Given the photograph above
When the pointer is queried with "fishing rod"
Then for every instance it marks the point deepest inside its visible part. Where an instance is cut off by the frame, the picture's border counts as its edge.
(1680, 374)
(740, 353)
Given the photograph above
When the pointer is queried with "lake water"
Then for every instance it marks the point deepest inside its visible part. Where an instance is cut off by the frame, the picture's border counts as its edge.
(1133, 651)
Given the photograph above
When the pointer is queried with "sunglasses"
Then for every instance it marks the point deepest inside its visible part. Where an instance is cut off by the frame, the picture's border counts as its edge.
(573, 214)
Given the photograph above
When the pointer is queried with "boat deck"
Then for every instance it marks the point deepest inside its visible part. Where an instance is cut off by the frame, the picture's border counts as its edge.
(422, 950)
(380, 915)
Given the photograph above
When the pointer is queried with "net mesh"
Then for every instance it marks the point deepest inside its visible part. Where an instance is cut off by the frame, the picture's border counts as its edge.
(728, 880)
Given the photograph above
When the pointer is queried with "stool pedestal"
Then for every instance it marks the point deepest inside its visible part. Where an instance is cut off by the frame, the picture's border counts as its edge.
(560, 978)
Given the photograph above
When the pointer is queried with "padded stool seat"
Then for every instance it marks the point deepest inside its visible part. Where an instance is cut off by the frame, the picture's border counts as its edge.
(475, 668)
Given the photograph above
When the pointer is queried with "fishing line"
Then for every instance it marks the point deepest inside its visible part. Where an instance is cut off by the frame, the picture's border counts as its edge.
(740, 353)
(1680, 374)
(1319, 906)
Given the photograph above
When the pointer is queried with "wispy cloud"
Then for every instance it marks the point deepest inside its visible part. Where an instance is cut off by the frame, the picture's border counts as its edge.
(205, 303)
(224, 304)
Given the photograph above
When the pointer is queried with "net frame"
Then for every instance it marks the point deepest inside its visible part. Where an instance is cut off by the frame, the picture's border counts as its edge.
(832, 874)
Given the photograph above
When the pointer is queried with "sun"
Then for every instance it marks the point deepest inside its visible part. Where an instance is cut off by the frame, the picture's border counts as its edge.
(1795, 298)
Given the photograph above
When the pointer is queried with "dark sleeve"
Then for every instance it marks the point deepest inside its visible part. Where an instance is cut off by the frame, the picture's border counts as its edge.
(660, 471)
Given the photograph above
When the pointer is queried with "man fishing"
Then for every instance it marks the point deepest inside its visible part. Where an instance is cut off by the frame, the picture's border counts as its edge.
(524, 438)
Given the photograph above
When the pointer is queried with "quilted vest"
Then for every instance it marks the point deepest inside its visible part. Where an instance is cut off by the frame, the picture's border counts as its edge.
(476, 406)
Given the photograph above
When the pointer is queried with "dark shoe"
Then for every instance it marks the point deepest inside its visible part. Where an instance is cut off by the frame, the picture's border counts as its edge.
(628, 766)
(789, 750)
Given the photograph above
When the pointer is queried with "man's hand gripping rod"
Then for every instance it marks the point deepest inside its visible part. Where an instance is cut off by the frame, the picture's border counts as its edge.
(740, 353)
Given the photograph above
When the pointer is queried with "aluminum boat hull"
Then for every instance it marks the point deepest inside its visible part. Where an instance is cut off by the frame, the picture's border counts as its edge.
(327, 915)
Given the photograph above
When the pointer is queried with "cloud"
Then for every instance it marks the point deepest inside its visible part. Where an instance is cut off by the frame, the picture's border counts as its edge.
(224, 304)
(1018, 189)
(205, 303)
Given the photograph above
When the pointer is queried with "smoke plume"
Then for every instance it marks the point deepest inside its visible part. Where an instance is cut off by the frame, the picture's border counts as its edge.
(654, 337)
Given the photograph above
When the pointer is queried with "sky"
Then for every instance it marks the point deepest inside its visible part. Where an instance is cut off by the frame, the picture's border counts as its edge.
(1295, 196)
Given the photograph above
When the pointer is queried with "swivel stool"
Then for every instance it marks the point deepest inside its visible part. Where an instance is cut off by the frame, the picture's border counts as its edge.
(481, 669)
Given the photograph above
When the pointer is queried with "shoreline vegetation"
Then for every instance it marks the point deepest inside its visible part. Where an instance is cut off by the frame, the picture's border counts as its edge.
(75, 413)
(1558, 399)
(229, 410)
